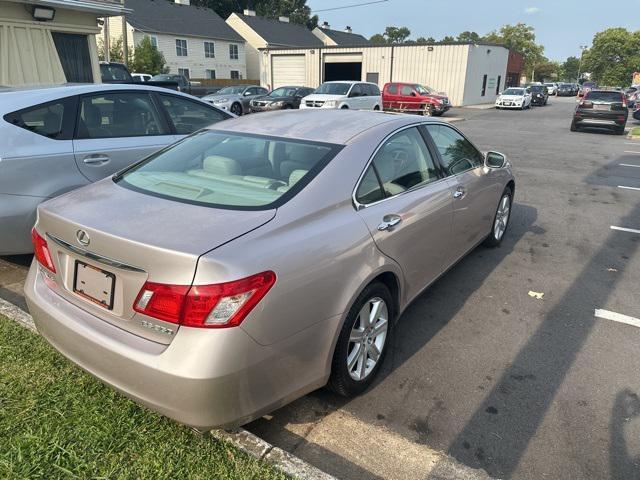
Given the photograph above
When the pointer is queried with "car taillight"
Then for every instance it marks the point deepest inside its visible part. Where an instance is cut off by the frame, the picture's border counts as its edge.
(41, 251)
(585, 104)
(206, 306)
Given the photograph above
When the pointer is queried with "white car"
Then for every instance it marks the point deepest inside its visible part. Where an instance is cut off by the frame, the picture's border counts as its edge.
(345, 95)
(514, 97)
(552, 88)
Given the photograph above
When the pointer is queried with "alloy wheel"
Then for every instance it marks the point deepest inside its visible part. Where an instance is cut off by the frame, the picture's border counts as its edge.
(368, 338)
(502, 217)
(236, 109)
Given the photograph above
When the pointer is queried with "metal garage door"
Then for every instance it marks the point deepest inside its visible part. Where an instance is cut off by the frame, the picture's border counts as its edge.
(288, 70)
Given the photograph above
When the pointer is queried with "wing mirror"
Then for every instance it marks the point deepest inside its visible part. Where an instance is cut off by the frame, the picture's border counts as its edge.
(495, 160)
(414, 94)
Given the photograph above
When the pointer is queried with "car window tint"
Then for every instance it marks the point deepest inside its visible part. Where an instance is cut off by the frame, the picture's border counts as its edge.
(45, 119)
(609, 97)
(406, 90)
(356, 91)
(374, 90)
(392, 89)
(122, 114)
(458, 154)
(369, 190)
(404, 162)
(188, 116)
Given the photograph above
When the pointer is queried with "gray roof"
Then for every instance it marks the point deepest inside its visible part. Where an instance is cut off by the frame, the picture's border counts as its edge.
(345, 38)
(281, 34)
(164, 16)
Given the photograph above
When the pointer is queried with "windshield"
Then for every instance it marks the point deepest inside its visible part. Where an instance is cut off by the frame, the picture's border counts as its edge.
(230, 170)
(514, 91)
(334, 88)
(164, 78)
(608, 97)
(537, 88)
(283, 92)
(231, 90)
(424, 90)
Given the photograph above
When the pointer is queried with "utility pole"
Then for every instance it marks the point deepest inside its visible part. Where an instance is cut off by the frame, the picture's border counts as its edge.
(582, 49)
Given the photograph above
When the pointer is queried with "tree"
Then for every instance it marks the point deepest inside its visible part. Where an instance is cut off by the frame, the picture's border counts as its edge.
(569, 69)
(378, 39)
(448, 39)
(422, 40)
(396, 34)
(613, 57)
(148, 59)
(520, 38)
(116, 51)
(297, 10)
(547, 70)
(468, 36)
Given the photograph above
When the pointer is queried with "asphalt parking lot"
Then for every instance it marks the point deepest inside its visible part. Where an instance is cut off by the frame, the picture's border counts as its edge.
(480, 369)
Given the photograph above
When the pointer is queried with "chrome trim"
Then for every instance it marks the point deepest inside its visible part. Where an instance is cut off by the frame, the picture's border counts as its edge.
(359, 206)
(94, 256)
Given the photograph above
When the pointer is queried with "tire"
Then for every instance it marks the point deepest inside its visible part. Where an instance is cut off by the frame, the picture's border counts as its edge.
(620, 130)
(503, 211)
(344, 107)
(287, 107)
(236, 109)
(573, 127)
(344, 377)
(376, 108)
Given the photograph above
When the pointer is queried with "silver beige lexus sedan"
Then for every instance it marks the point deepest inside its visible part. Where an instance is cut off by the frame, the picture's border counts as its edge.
(261, 258)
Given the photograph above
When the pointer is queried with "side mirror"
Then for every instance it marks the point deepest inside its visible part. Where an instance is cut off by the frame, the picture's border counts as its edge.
(495, 160)
(414, 94)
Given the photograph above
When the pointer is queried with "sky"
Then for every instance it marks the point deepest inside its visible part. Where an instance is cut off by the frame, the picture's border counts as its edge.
(560, 25)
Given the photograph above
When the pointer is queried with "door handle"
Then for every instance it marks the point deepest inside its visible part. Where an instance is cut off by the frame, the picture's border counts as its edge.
(459, 193)
(388, 222)
(96, 160)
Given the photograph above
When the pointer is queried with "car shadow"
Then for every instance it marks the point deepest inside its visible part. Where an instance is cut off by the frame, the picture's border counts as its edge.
(626, 409)
(441, 302)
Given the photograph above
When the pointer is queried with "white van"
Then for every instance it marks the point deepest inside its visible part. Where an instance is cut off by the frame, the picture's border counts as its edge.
(345, 95)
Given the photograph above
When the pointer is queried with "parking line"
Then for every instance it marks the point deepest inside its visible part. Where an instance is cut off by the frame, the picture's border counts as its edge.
(629, 165)
(617, 317)
(623, 229)
(628, 188)
(632, 151)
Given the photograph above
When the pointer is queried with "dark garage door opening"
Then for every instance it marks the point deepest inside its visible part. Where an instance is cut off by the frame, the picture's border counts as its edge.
(342, 71)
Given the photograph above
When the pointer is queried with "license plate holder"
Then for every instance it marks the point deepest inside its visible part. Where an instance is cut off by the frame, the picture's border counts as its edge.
(601, 107)
(94, 284)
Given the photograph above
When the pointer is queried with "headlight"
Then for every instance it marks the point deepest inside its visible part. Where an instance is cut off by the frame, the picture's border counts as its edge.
(221, 100)
(277, 104)
(331, 103)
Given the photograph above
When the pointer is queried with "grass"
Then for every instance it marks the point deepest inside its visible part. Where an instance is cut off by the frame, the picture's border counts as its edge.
(635, 131)
(57, 422)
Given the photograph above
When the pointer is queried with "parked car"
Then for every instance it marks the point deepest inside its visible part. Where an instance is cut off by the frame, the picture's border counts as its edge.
(57, 139)
(236, 99)
(345, 95)
(566, 90)
(180, 83)
(281, 98)
(114, 72)
(586, 87)
(552, 88)
(177, 283)
(141, 77)
(514, 97)
(539, 94)
(413, 97)
(601, 109)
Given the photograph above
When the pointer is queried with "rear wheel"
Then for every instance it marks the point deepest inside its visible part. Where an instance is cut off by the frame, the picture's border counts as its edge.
(574, 127)
(344, 107)
(500, 220)
(236, 109)
(376, 108)
(620, 130)
(363, 341)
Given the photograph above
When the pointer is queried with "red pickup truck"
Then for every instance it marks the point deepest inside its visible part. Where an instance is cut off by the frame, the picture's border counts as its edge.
(413, 97)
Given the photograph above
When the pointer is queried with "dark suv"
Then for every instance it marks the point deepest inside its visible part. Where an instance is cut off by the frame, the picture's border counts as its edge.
(539, 94)
(601, 109)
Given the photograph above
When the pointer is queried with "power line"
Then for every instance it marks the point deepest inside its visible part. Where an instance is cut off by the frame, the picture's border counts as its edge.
(349, 6)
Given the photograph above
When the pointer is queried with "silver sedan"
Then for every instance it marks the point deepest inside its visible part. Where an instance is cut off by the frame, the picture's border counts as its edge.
(262, 258)
(236, 99)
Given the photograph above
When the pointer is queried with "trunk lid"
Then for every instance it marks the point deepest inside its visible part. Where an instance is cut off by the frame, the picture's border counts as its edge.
(132, 238)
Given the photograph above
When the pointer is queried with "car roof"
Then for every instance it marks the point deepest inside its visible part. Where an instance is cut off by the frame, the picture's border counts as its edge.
(16, 98)
(317, 125)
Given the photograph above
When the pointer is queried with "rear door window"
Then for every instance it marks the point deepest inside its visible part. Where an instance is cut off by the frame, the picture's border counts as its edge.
(406, 90)
(53, 120)
(457, 153)
(119, 114)
(188, 116)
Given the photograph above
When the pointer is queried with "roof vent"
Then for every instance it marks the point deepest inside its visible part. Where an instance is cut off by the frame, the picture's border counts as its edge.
(325, 25)
(183, 2)
(249, 13)
(284, 19)
(348, 29)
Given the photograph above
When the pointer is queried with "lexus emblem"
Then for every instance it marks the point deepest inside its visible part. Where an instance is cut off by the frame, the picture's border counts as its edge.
(83, 237)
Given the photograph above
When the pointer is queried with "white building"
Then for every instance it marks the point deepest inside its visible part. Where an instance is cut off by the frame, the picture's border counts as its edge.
(51, 41)
(468, 73)
(195, 41)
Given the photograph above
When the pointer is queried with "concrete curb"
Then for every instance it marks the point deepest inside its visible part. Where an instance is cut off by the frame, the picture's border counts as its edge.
(241, 439)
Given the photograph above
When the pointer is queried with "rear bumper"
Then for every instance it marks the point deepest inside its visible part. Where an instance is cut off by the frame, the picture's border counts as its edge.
(585, 118)
(538, 101)
(205, 378)
(17, 217)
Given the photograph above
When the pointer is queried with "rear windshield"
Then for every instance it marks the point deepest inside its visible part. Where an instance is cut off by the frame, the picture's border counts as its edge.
(604, 96)
(229, 170)
(537, 88)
